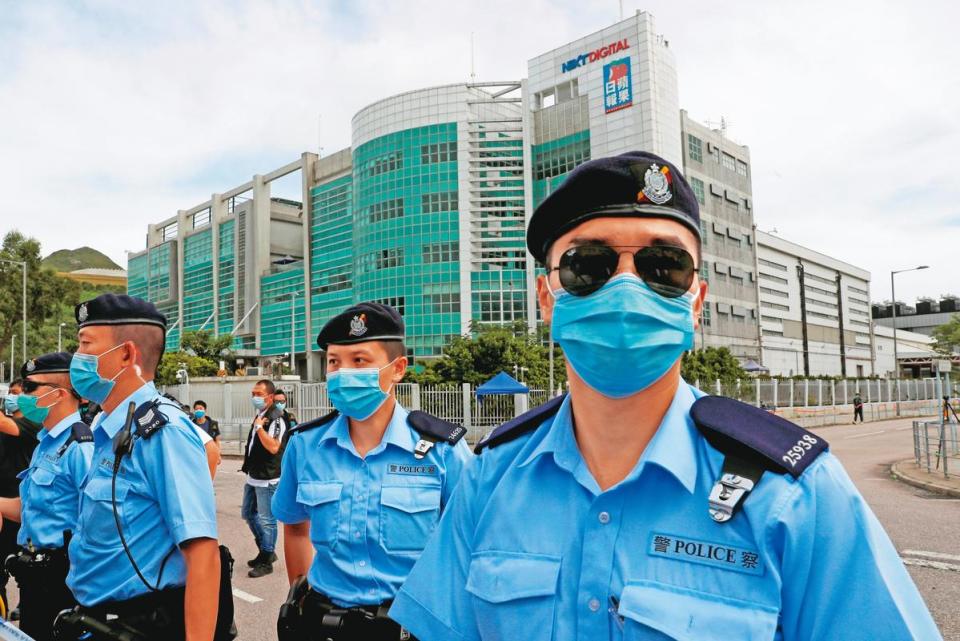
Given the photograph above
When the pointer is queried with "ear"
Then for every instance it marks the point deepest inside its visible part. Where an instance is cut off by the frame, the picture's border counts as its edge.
(130, 354)
(545, 298)
(399, 369)
(699, 302)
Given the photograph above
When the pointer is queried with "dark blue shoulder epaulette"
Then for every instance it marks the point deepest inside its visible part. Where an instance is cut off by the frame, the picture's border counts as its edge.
(79, 433)
(148, 418)
(756, 436)
(520, 425)
(437, 429)
(317, 422)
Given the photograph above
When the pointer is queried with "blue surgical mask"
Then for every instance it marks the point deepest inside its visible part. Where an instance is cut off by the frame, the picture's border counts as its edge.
(198, 413)
(258, 402)
(10, 403)
(281, 406)
(624, 337)
(356, 392)
(33, 412)
(86, 380)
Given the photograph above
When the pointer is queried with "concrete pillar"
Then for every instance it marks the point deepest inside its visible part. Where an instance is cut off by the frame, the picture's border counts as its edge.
(415, 396)
(258, 246)
(465, 396)
(181, 235)
(218, 211)
(308, 164)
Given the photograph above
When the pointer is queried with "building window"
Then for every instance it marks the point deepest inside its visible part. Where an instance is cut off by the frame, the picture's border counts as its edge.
(704, 271)
(770, 263)
(819, 279)
(858, 300)
(772, 332)
(169, 232)
(705, 316)
(440, 152)
(769, 305)
(741, 168)
(385, 210)
(435, 203)
(857, 290)
(392, 257)
(774, 279)
(201, 218)
(729, 162)
(397, 302)
(442, 303)
(774, 292)
(697, 185)
(817, 290)
(441, 253)
(695, 148)
(382, 164)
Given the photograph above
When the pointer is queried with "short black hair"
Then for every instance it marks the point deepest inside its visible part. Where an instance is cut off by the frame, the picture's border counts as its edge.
(280, 392)
(17, 382)
(267, 385)
(395, 349)
(202, 404)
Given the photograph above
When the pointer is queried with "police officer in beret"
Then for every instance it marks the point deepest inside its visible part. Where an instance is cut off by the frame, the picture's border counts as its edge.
(145, 552)
(361, 489)
(49, 492)
(660, 513)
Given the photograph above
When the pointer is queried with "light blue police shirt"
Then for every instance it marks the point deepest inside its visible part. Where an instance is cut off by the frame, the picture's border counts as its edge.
(531, 549)
(50, 487)
(164, 497)
(369, 517)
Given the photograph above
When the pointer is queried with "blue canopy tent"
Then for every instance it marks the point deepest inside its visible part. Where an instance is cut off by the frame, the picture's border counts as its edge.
(502, 383)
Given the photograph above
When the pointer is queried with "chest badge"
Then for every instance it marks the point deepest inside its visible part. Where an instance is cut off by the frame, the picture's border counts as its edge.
(719, 555)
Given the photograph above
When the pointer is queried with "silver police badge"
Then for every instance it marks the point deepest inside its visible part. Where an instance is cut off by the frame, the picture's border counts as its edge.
(656, 187)
(82, 313)
(358, 326)
(31, 365)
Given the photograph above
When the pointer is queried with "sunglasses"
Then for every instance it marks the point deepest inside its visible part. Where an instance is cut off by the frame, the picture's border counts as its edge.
(668, 270)
(29, 387)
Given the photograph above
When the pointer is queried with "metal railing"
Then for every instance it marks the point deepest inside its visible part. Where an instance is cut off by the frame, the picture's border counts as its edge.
(935, 447)
(809, 402)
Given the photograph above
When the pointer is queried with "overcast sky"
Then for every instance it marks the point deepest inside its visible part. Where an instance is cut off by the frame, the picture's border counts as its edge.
(114, 114)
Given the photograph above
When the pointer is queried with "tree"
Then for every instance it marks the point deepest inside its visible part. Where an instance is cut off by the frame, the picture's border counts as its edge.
(494, 348)
(710, 364)
(195, 365)
(947, 336)
(50, 300)
(206, 345)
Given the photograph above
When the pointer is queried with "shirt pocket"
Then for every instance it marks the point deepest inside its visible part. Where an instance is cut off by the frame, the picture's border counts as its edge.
(654, 611)
(408, 515)
(97, 518)
(515, 594)
(322, 500)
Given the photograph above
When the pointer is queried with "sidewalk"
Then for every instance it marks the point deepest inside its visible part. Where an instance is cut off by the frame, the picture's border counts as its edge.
(910, 473)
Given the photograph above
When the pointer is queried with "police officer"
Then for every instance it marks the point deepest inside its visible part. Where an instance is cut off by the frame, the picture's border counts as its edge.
(635, 507)
(49, 492)
(365, 485)
(145, 552)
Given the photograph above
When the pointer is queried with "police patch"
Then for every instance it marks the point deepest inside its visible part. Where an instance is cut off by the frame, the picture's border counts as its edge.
(718, 555)
(412, 470)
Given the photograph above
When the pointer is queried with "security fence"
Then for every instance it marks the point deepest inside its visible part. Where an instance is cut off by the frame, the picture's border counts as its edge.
(935, 447)
(809, 402)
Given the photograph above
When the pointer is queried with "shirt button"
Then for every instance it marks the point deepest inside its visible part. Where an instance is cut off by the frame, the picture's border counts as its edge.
(356, 534)
(604, 517)
(363, 564)
(594, 605)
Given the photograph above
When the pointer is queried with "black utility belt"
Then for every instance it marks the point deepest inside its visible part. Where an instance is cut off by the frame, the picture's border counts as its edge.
(170, 599)
(367, 622)
(27, 560)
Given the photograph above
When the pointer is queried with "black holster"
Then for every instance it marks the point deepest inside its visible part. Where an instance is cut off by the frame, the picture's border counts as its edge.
(307, 615)
(290, 623)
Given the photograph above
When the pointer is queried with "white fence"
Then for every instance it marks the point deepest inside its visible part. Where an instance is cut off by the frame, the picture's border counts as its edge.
(809, 402)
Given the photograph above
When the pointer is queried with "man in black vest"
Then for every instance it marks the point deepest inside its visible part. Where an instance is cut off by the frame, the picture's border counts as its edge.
(261, 462)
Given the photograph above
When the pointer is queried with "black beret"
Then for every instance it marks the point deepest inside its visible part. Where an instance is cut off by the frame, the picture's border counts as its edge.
(119, 309)
(361, 323)
(634, 184)
(55, 363)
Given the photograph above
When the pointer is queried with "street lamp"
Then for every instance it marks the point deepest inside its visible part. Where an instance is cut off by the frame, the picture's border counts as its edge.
(893, 295)
(60, 336)
(22, 264)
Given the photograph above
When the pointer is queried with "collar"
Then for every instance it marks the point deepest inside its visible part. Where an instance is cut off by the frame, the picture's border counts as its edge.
(112, 422)
(397, 432)
(672, 448)
(60, 427)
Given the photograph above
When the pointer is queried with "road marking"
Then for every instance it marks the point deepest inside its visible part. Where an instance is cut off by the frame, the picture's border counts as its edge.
(936, 556)
(865, 435)
(249, 598)
(936, 565)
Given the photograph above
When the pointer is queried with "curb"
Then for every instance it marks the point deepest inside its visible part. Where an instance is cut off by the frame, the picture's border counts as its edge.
(902, 476)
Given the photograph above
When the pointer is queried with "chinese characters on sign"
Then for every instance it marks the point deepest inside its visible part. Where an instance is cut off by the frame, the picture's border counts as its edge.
(617, 85)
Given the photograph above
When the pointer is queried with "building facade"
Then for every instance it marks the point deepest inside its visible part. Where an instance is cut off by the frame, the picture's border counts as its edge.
(814, 312)
(718, 171)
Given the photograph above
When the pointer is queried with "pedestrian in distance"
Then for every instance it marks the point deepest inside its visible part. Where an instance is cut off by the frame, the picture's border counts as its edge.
(857, 407)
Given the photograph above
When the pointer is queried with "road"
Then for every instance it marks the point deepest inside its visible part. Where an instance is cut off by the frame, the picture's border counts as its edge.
(925, 528)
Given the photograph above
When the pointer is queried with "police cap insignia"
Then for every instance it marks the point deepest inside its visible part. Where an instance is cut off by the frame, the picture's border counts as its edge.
(361, 323)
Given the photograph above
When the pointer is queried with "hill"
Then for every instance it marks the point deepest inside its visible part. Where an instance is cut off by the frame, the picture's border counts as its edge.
(68, 260)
